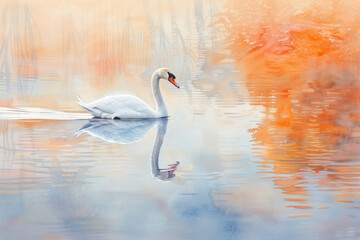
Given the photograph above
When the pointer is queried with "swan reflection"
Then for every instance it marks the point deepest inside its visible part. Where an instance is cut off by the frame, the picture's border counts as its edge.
(131, 131)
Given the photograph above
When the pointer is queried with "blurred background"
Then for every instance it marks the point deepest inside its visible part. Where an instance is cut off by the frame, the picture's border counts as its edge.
(52, 51)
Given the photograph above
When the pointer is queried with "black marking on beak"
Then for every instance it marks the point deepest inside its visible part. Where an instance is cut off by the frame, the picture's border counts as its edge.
(171, 75)
(172, 79)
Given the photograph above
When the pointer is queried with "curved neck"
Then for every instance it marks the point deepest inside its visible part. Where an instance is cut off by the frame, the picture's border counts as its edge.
(161, 110)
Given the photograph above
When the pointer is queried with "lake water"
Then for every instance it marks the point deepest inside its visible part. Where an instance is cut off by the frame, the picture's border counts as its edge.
(248, 153)
(93, 179)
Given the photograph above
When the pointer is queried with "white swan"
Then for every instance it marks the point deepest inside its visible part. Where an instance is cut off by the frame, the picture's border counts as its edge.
(125, 106)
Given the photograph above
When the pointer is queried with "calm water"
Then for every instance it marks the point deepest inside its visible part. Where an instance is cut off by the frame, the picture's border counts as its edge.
(262, 151)
(92, 179)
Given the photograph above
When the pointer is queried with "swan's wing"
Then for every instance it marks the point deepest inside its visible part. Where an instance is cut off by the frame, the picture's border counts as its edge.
(122, 106)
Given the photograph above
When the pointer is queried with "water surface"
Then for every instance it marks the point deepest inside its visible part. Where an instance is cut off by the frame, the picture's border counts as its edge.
(95, 180)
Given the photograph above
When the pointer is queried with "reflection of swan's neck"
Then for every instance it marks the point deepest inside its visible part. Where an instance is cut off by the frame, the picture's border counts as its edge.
(160, 133)
(160, 104)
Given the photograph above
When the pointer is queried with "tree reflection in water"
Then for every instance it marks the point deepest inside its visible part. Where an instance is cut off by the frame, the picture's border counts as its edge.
(302, 67)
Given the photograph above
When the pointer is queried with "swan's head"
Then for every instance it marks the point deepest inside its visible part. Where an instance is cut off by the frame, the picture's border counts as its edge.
(166, 73)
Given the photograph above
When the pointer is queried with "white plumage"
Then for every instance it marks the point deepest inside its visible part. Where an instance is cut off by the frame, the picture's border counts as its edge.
(119, 106)
(126, 106)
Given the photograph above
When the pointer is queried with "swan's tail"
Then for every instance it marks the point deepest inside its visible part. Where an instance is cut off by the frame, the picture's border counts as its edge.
(84, 106)
(82, 103)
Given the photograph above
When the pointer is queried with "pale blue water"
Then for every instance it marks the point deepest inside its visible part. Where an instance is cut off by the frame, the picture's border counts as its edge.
(57, 182)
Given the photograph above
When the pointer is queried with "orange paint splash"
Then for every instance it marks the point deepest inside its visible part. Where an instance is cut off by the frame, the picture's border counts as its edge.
(300, 207)
(300, 215)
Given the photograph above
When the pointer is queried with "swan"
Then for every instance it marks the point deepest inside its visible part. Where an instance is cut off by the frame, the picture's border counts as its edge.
(126, 106)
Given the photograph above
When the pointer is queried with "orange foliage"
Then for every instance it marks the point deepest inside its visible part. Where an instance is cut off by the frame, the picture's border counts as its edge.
(300, 62)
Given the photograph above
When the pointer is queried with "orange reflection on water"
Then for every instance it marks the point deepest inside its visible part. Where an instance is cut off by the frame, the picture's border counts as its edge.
(300, 62)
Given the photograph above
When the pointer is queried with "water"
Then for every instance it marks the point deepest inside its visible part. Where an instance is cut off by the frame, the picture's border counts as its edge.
(257, 146)
(97, 179)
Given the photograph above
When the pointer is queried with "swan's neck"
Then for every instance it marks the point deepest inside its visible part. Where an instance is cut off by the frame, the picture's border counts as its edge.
(161, 110)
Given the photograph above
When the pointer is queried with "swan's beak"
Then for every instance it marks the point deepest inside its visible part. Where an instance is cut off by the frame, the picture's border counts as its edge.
(172, 80)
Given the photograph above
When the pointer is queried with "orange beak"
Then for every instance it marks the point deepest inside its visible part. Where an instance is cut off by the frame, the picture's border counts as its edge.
(172, 80)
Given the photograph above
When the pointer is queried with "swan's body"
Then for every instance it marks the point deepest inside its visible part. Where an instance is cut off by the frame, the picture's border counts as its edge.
(125, 106)
(121, 106)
